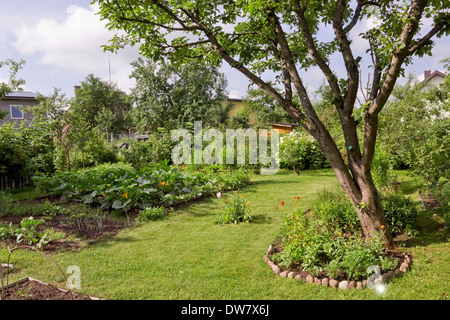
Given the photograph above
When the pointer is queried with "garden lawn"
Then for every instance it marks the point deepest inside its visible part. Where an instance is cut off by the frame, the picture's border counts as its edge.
(187, 256)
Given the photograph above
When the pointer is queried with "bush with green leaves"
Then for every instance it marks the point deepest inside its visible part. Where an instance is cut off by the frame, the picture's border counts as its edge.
(236, 209)
(338, 211)
(400, 212)
(316, 244)
(156, 149)
(380, 167)
(151, 214)
(299, 151)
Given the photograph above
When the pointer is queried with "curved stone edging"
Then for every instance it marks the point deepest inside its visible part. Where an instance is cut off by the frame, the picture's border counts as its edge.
(329, 282)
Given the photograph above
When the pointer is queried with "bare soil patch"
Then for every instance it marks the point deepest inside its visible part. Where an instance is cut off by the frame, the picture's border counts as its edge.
(32, 289)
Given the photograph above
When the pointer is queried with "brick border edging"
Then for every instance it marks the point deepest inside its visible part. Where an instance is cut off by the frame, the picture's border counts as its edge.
(327, 282)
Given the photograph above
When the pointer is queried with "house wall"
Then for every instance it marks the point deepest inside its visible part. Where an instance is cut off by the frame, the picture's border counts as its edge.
(435, 81)
(5, 106)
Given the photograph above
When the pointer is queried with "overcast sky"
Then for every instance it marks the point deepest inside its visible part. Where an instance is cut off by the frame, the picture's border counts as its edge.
(61, 43)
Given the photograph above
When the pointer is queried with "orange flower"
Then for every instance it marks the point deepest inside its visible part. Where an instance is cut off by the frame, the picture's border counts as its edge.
(382, 227)
(163, 183)
(276, 207)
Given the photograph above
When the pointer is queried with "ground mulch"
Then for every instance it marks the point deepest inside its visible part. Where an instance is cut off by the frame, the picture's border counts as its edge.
(31, 289)
(77, 237)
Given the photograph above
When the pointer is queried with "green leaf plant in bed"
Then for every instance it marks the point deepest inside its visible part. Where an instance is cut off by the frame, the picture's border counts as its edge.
(120, 187)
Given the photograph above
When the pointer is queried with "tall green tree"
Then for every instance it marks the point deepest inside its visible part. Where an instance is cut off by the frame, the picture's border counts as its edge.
(255, 36)
(415, 129)
(97, 100)
(264, 107)
(13, 83)
(53, 117)
(169, 95)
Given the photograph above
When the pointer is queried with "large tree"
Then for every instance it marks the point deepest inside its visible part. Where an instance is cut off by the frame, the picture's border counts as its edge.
(281, 36)
(170, 96)
(101, 104)
(13, 83)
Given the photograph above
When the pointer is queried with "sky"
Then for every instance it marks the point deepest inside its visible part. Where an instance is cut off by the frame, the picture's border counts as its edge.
(61, 40)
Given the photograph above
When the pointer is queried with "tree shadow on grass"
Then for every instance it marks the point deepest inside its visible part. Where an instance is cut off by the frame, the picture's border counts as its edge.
(431, 229)
(261, 219)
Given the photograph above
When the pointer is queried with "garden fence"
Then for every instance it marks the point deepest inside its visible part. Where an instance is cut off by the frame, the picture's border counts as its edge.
(14, 183)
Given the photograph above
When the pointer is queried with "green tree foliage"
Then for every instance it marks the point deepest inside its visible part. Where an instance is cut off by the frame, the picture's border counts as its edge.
(170, 96)
(265, 109)
(100, 104)
(415, 129)
(52, 119)
(13, 83)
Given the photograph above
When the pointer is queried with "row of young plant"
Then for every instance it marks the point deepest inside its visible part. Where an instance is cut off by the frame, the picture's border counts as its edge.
(34, 231)
(120, 186)
(329, 237)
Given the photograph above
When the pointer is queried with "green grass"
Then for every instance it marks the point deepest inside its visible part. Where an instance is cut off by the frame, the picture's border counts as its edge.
(187, 256)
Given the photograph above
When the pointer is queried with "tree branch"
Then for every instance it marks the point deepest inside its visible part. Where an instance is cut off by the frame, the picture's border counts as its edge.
(416, 46)
(349, 60)
(318, 59)
(392, 73)
(356, 16)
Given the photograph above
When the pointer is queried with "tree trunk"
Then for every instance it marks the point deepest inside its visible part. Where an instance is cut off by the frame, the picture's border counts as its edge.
(371, 214)
(357, 183)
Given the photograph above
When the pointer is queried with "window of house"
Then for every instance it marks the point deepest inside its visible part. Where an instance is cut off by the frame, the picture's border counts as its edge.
(16, 113)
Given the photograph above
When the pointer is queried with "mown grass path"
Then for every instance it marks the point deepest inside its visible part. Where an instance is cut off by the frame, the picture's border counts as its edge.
(187, 256)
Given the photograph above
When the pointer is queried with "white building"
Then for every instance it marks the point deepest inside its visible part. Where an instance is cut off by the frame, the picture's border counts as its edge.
(432, 79)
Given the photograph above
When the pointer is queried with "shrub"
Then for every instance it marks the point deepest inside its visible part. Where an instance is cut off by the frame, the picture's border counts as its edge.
(400, 212)
(380, 168)
(339, 212)
(298, 151)
(156, 149)
(316, 245)
(151, 214)
(236, 210)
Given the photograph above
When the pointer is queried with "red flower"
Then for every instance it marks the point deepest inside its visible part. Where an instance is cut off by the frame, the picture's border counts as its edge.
(282, 203)
(298, 198)
(276, 207)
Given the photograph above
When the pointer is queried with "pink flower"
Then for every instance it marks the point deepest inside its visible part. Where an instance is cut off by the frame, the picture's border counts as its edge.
(219, 194)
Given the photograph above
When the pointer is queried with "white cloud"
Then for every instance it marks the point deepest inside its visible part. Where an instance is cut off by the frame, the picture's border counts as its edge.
(74, 45)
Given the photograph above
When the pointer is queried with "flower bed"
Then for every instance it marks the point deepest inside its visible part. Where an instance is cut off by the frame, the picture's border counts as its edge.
(326, 281)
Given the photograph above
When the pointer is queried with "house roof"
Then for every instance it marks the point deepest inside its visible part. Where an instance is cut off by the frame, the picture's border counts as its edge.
(286, 125)
(21, 95)
(435, 73)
